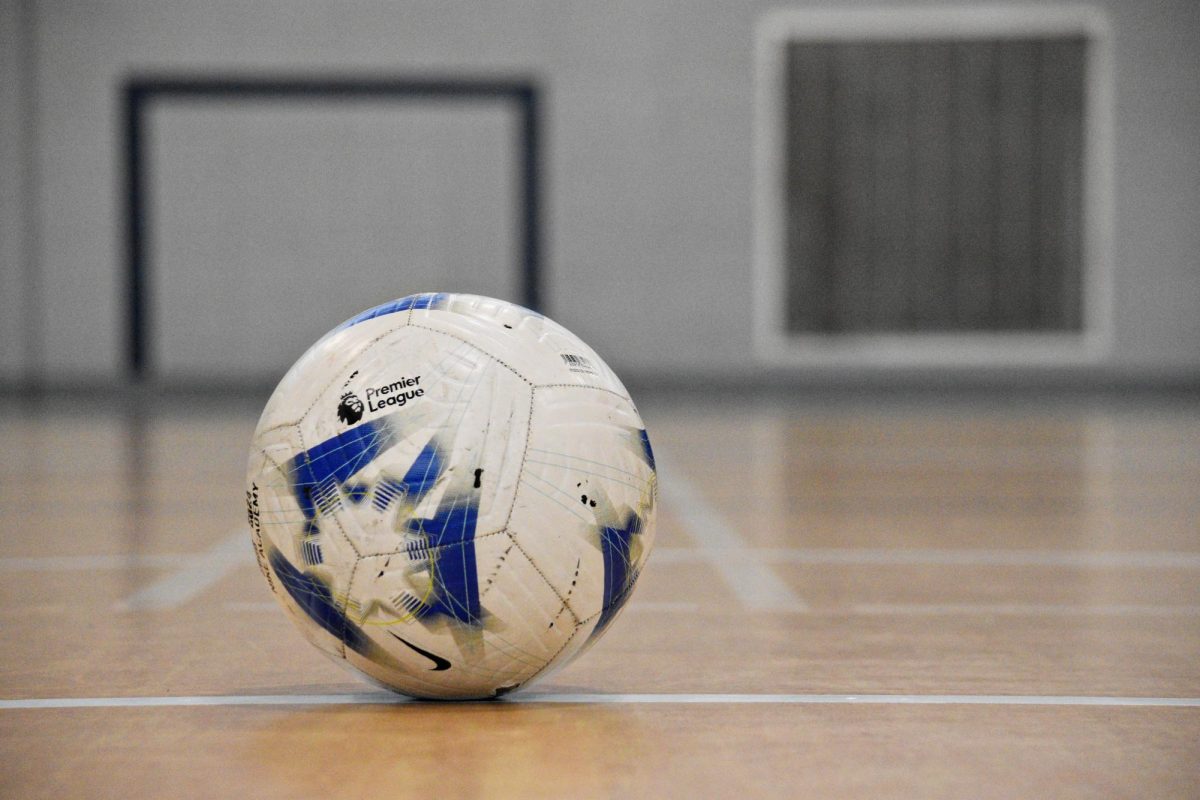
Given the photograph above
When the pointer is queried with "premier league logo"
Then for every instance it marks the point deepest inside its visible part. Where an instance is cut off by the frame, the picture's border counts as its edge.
(350, 410)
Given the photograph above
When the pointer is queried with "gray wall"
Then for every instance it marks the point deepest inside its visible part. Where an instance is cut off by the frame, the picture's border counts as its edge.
(649, 132)
(14, 327)
(281, 217)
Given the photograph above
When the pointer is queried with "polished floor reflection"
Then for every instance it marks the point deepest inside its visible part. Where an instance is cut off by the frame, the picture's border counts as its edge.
(849, 597)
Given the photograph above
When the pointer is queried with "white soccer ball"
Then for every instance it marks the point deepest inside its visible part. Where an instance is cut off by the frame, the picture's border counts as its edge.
(452, 495)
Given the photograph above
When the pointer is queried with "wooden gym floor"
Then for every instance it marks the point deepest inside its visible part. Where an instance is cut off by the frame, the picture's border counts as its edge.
(847, 599)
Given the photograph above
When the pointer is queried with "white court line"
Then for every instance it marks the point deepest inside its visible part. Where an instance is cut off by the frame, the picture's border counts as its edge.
(1144, 559)
(201, 572)
(94, 563)
(753, 583)
(382, 698)
(1134, 559)
(1024, 609)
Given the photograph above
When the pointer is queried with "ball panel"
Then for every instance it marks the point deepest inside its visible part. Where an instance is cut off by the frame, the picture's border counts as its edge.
(291, 514)
(466, 620)
(535, 346)
(528, 619)
(586, 502)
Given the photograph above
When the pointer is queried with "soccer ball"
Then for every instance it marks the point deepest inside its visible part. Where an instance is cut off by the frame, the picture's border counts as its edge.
(452, 495)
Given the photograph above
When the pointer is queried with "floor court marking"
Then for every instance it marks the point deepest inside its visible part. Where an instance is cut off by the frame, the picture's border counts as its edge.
(201, 572)
(379, 698)
(1023, 609)
(754, 583)
(96, 563)
(1140, 559)
(719, 551)
(832, 556)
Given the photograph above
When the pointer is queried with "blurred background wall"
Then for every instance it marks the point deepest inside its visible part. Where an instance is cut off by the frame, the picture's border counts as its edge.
(648, 119)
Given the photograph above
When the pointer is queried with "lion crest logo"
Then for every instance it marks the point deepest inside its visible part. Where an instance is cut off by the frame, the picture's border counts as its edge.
(350, 410)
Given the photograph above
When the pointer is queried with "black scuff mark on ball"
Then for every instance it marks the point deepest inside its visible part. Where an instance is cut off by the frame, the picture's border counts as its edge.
(479, 478)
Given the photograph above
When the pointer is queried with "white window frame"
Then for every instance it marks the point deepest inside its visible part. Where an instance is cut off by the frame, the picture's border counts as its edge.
(775, 345)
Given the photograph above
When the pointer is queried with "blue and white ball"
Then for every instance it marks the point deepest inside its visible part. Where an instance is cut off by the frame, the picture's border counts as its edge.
(452, 495)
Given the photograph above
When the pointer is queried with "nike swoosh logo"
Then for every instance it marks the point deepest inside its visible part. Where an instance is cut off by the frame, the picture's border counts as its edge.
(439, 663)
